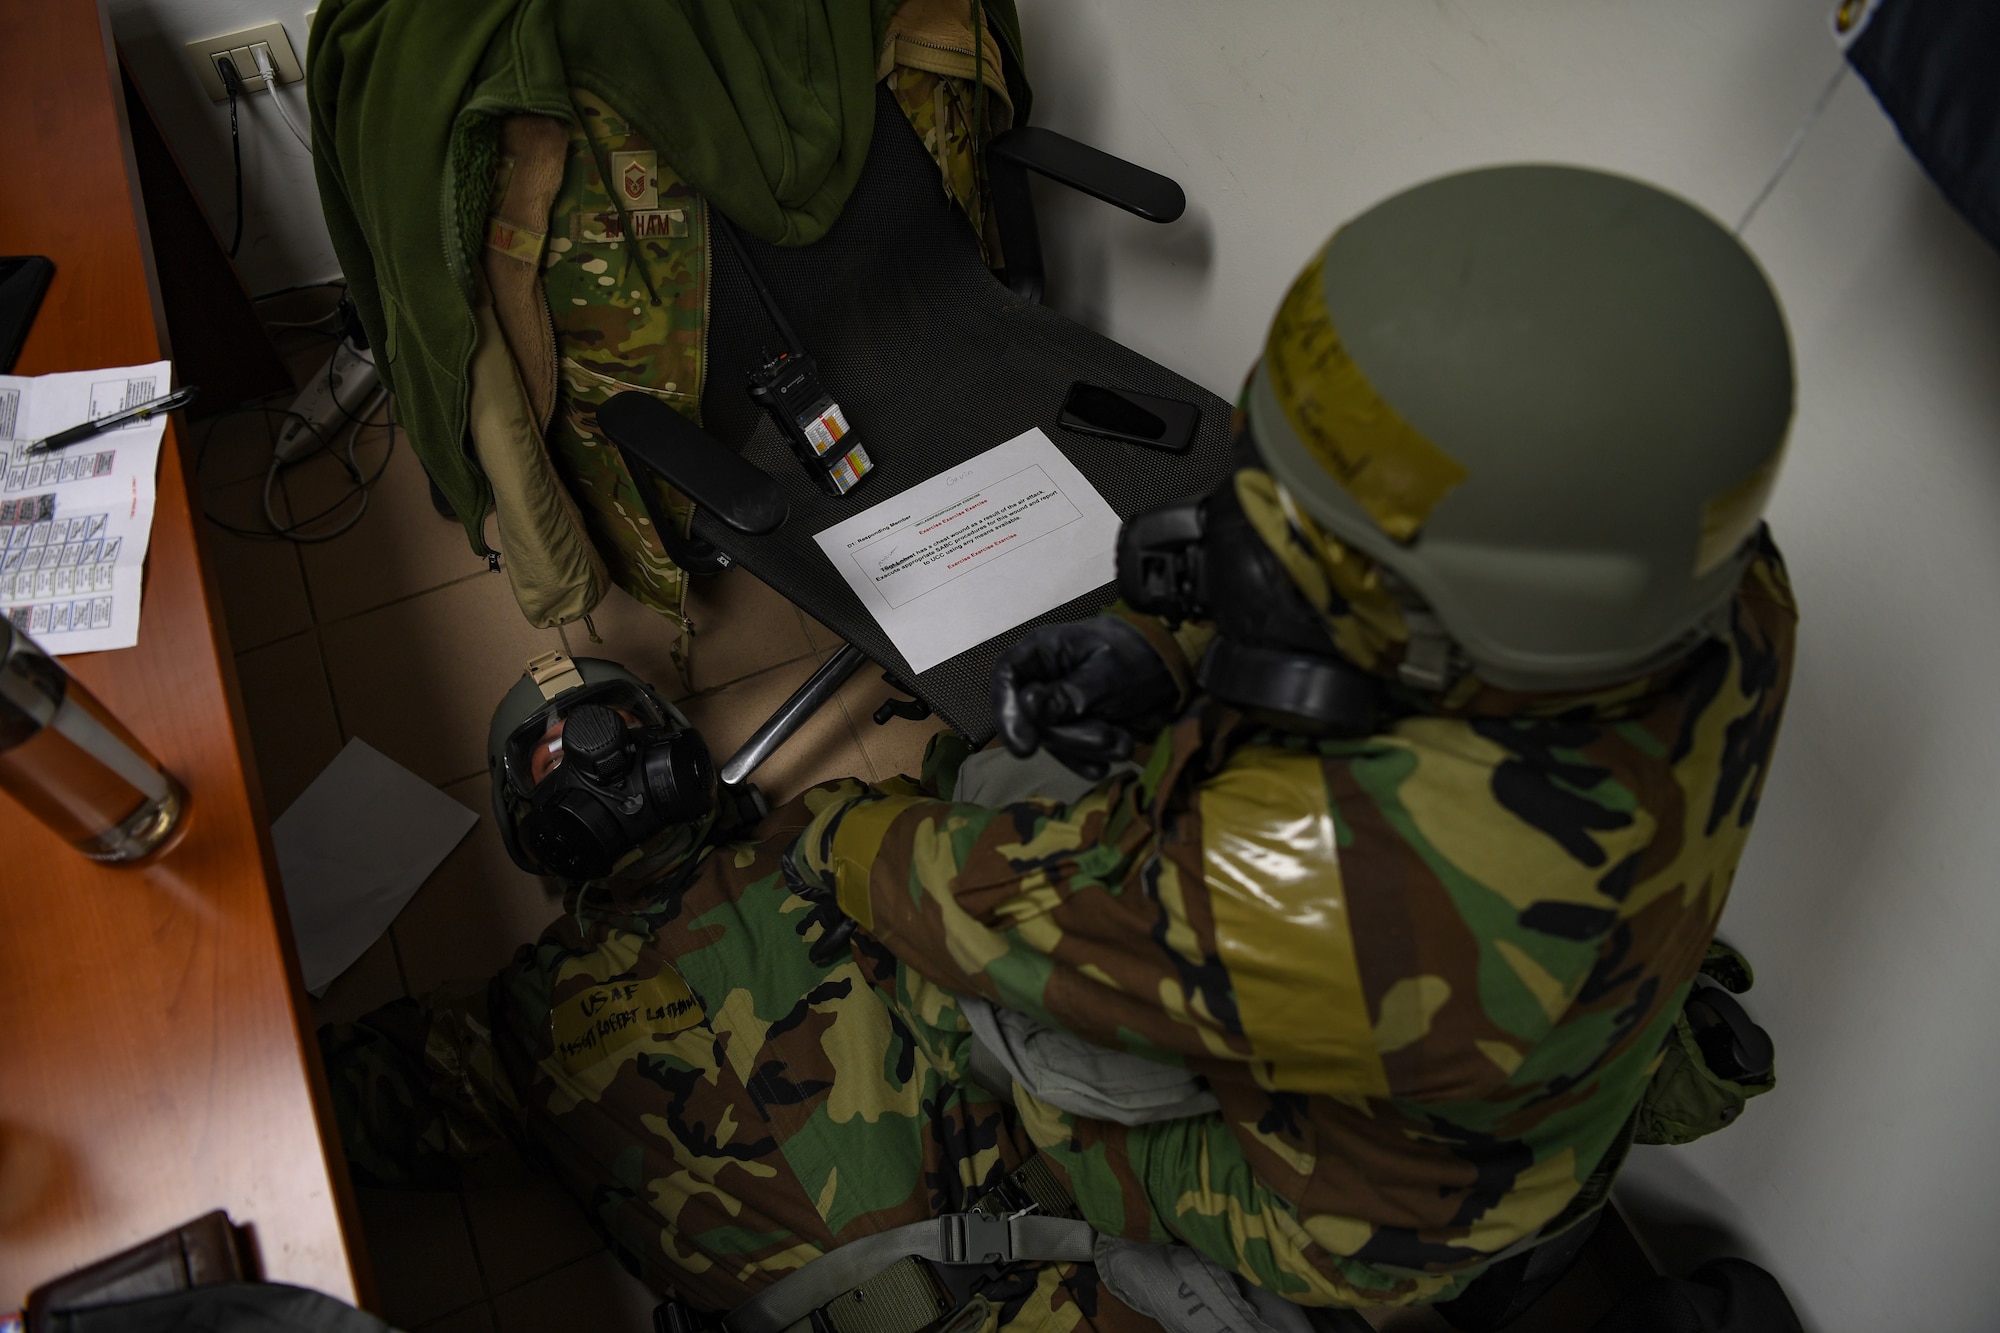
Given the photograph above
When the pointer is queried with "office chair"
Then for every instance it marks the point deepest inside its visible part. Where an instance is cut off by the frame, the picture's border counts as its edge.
(933, 359)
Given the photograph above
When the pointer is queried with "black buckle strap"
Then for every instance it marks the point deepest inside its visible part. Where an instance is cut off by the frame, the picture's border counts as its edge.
(674, 1315)
(976, 1238)
(1031, 1187)
(1027, 1217)
(913, 1293)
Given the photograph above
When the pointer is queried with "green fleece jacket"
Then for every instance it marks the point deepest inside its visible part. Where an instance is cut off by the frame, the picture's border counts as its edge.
(764, 106)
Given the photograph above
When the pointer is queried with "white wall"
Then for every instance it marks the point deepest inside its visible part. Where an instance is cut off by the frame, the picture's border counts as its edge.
(284, 237)
(1868, 898)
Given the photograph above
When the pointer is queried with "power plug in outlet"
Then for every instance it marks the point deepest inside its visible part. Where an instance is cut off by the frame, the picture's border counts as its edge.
(340, 391)
(238, 46)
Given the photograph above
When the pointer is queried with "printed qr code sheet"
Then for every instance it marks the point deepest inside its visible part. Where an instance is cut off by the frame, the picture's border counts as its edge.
(55, 557)
(75, 523)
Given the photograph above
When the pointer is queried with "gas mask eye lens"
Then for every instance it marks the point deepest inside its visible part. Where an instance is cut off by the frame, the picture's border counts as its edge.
(594, 741)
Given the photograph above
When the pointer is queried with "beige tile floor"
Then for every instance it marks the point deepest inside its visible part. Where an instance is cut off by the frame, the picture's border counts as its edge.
(396, 633)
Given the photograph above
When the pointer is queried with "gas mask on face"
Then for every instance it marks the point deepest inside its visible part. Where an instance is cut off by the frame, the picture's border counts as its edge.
(598, 766)
(1272, 655)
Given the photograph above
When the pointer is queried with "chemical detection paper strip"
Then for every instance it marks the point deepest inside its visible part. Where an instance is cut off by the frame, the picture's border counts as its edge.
(977, 550)
(74, 525)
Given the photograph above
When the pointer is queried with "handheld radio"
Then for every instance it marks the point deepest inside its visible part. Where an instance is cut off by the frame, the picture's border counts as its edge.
(787, 386)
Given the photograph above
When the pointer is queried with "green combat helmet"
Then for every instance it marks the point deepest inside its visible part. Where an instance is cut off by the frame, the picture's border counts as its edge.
(1549, 402)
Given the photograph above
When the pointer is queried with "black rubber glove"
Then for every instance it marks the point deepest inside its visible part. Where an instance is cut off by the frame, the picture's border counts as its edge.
(1077, 691)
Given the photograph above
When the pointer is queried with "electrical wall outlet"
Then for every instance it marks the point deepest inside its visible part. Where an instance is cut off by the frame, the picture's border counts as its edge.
(240, 46)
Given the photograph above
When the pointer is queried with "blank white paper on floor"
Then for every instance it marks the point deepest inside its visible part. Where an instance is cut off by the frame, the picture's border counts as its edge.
(353, 849)
(977, 550)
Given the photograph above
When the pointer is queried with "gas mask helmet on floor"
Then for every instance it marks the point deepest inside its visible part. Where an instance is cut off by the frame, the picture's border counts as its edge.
(597, 766)
(1272, 656)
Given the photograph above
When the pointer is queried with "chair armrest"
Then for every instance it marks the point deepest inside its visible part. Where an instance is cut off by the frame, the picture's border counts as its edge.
(1098, 174)
(653, 437)
(1012, 154)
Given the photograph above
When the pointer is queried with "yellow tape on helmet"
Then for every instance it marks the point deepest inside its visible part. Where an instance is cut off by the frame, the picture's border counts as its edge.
(1395, 474)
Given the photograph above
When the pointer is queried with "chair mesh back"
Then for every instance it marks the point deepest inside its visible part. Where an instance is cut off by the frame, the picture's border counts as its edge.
(933, 362)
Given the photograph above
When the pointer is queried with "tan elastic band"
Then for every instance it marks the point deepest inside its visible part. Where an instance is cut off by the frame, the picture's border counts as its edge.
(553, 673)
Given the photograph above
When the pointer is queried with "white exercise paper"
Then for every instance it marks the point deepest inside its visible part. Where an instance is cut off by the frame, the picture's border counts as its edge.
(74, 525)
(353, 849)
(977, 550)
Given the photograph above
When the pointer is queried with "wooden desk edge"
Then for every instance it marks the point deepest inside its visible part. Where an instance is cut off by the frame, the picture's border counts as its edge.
(178, 502)
(359, 1269)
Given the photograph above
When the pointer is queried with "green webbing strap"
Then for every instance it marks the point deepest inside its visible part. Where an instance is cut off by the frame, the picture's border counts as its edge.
(1037, 1186)
(902, 1298)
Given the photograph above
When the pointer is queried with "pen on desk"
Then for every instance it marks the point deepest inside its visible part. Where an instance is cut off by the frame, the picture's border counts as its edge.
(62, 439)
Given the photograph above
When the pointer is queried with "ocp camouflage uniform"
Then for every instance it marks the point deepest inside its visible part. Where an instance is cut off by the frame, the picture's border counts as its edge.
(953, 103)
(626, 278)
(1428, 972)
(725, 1108)
(939, 109)
(627, 289)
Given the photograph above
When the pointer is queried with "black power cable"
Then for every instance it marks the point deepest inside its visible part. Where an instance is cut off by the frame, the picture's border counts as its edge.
(770, 302)
(231, 81)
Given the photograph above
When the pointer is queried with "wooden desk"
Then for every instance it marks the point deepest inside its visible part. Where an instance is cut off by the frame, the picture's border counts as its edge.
(156, 1058)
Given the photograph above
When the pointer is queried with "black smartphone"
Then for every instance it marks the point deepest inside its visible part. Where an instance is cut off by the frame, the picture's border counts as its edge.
(1121, 414)
(23, 279)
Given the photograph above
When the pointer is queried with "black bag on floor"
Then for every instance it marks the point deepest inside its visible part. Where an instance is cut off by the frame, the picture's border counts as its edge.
(1722, 1296)
(1505, 1291)
(232, 1307)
